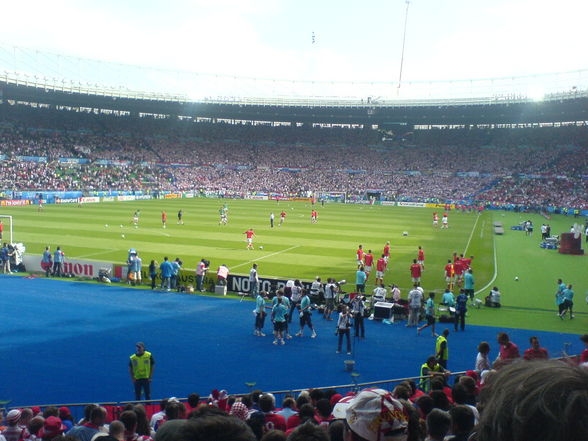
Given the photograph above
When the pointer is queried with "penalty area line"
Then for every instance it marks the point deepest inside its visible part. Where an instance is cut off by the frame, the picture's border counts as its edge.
(265, 257)
(471, 235)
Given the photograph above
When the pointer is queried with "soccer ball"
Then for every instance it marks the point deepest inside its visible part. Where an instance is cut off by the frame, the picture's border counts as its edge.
(405, 233)
(121, 225)
(516, 278)
(261, 247)
(122, 235)
(106, 225)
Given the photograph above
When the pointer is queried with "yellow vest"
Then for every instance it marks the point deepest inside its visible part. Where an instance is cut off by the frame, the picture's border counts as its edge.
(141, 365)
(445, 354)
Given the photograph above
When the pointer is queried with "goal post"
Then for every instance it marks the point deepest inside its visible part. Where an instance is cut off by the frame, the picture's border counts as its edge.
(7, 232)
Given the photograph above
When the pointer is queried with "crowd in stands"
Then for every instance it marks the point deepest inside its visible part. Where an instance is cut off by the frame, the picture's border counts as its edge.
(425, 165)
(522, 399)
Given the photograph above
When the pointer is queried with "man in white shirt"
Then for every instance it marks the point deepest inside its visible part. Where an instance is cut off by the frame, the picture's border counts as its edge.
(415, 301)
(253, 281)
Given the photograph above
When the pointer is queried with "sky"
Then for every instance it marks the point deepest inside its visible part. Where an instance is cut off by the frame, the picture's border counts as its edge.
(273, 39)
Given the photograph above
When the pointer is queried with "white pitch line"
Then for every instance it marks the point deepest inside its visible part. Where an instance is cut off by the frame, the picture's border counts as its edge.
(265, 257)
(471, 235)
(495, 268)
(482, 230)
(83, 256)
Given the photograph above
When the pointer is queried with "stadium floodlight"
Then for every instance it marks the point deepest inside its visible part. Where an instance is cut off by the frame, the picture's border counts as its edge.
(7, 221)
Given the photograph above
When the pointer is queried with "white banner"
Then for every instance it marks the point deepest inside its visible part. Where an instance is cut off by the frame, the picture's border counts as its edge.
(391, 203)
(143, 197)
(412, 204)
(257, 198)
(126, 198)
(108, 198)
(80, 268)
(90, 200)
(67, 200)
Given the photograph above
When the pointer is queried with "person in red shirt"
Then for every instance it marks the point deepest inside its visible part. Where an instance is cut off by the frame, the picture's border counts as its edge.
(435, 219)
(250, 235)
(421, 258)
(449, 273)
(360, 255)
(272, 420)
(467, 263)
(381, 265)
(535, 352)
(584, 354)
(415, 271)
(164, 219)
(282, 218)
(313, 216)
(387, 251)
(368, 262)
(1, 229)
(508, 351)
(458, 270)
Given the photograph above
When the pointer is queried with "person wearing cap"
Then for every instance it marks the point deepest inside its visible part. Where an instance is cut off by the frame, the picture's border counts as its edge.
(13, 432)
(141, 366)
(66, 418)
(374, 415)
(51, 428)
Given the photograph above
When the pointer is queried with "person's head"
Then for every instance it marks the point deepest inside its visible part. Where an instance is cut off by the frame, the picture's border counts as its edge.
(559, 281)
(315, 395)
(50, 411)
(360, 247)
(542, 401)
(337, 430)
(308, 432)
(140, 348)
(25, 417)
(440, 400)
(215, 427)
(289, 403)
(302, 400)
(570, 286)
(35, 424)
(534, 341)
(175, 410)
(318, 279)
(255, 266)
(438, 424)
(52, 427)
(403, 391)
(431, 295)
(374, 415)
(503, 338)
(470, 271)
(98, 416)
(129, 419)
(462, 419)
(437, 383)
(165, 259)
(431, 361)
(484, 347)
(239, 410)
(445, 332)
(413, 260)
(323, 407)
(306, 412)
(116, 429)
(584, 339)
(193, 400)
(13, 417)
(266, 403)
(274, 435)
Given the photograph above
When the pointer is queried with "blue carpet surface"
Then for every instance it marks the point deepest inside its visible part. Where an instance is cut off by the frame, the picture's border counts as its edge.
(66, 342)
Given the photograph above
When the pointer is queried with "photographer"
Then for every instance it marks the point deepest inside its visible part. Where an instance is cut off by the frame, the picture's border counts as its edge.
(358, 309)
(331, 290)
(201, 269)
(343, 325)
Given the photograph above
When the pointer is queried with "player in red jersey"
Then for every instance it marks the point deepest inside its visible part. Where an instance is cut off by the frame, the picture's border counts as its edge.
(282, 218)
(313, 216)
(421, 258)
(449, 274)
(368, 260)
(435, 219)
(458, 270)
(386, 255)
(250, 235)
(381, 265)
(164, 219)
(415, 271)
(360, 253)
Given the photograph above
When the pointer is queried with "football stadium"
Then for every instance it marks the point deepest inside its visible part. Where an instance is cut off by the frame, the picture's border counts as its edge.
(264, 259)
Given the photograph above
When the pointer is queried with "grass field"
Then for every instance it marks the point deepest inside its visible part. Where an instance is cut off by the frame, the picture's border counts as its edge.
(303, 250)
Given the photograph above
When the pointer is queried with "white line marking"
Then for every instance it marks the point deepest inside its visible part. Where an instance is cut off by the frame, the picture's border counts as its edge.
(265, 257)
(495, 268)
(109, 250)
(482, 230)
(471, 235)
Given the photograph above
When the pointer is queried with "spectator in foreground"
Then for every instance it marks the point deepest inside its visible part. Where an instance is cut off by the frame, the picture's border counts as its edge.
(86, 431)
(438, 425)
(462, 423)
(373, 415)
(542, 401)
(508, 351)
(535, 351)
(211, 427)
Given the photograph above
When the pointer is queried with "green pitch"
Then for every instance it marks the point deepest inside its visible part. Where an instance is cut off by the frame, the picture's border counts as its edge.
(299, 249)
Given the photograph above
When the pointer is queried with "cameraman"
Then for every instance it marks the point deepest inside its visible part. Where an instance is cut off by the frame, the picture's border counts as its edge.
(201, 269)
(343, 325)
(331, 290)
(358, 309)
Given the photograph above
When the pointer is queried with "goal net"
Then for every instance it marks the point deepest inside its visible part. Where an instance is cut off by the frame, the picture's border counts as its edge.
(6, 233)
